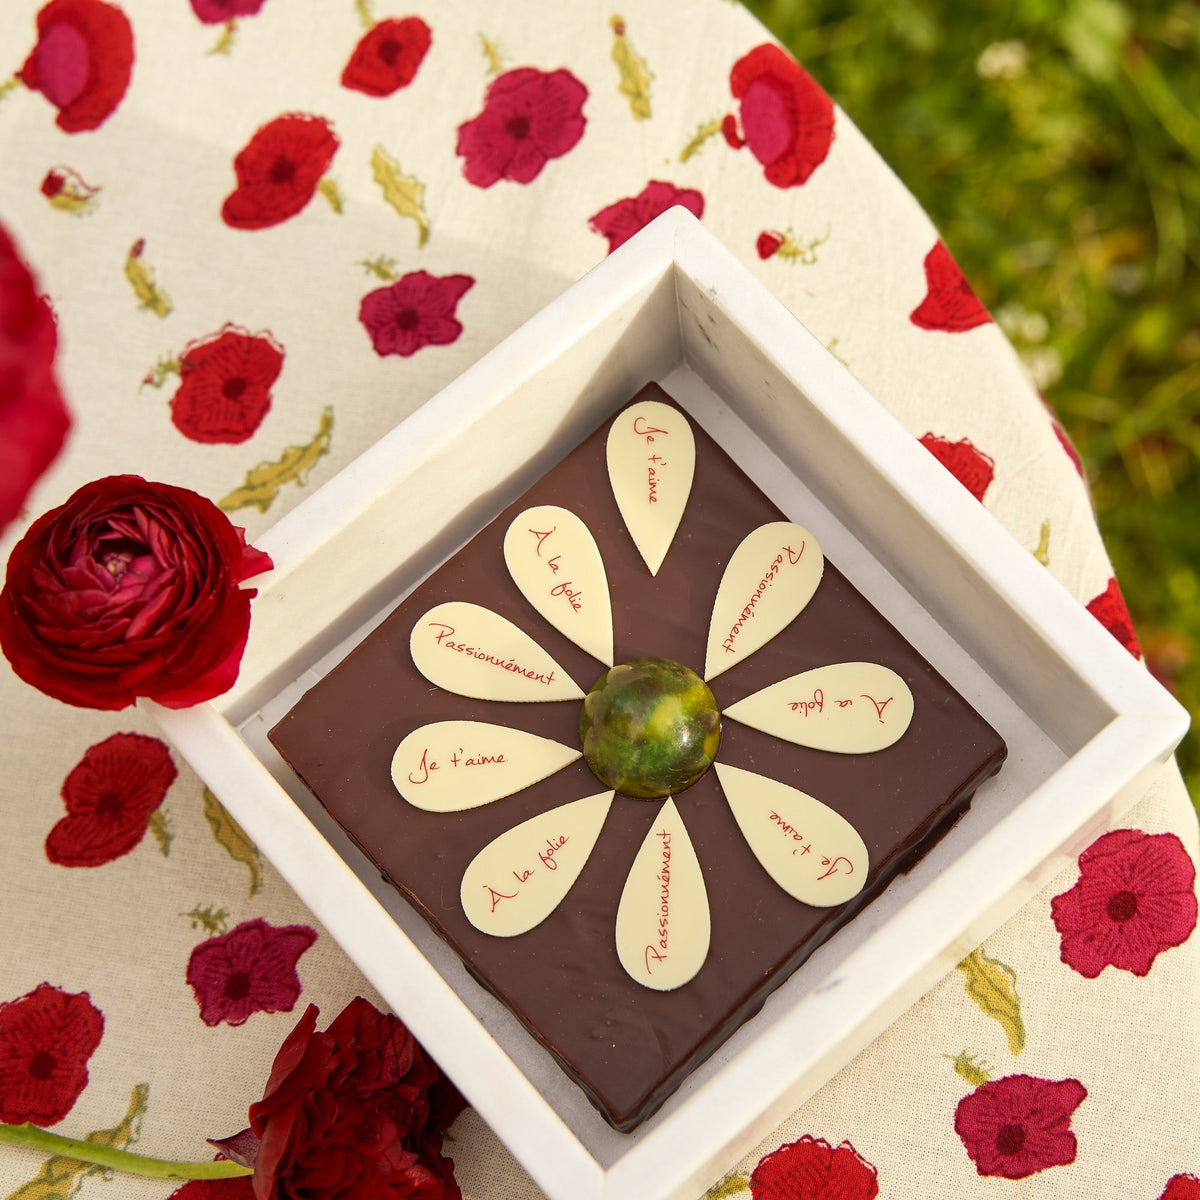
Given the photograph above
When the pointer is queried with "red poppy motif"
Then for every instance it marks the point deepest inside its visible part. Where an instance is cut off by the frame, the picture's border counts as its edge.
(225, 388)
(417, 310)
(1019, 1125)
(950, 305)
(46, 1039)
(529, 117)
(768, 242)
(1068, 446)
(815, 1170)
(1135, 898)
(620, 221)
(219, 12)
(278, 170)
(82, 62)
(969, 465)
(110, 795)
(250, 969)
(1110, 610)
(387, 56)
(1181, 1187)
(786, 116)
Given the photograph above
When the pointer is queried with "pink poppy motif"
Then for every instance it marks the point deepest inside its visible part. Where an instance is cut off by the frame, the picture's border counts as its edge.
(950, 304)
(110, 796)
(250, 969)
(1181, 1187)
(620, 221)
(813, 1169)
(46, 1039)
(529, 117)
(969, 465)
(786, 116)
(1135, 898)
(1110, 610)
(219, 12)
(419, 309)
(1019, 1125)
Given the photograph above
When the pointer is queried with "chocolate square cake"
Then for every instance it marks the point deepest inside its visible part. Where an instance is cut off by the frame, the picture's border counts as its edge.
(838, 754)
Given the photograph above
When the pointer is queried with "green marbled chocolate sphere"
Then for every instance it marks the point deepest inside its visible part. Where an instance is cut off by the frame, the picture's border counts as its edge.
(649, 728)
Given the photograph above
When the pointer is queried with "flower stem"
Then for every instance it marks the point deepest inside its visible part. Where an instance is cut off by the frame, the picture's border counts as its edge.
(118, 1160)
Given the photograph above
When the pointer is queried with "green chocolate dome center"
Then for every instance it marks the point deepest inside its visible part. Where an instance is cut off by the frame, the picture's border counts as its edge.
(649, 727)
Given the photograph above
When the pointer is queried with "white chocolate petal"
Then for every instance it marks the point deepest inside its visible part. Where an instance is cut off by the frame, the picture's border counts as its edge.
(517, 881)
(472, 651)
(553, 558)
(767, 582)
(663, 926)
(849, 708)
(812, 852)
(449, 766)
(651, 461)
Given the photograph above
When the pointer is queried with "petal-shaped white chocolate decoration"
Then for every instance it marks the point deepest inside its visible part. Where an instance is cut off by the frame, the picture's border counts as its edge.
(517, 881)
(449, 766)
(849, 708)
(472, 651)
(651, 461)
(812, 852)
(663, 926)
(553, 558)
(769, 579)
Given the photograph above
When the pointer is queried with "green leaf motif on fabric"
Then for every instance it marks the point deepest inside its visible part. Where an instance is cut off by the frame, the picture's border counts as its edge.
(329, 189)
(971, 1068)
(491, 52)
(212, 920)
(224, 44)
(161, 832)
(993, 986)
(263, 482)
(149, 295)
(635, 76)
(404, 193)
(1042, 550)
(61, 1178)
(382, 266)
(233, 837)
(697, 140)
(731, 1185)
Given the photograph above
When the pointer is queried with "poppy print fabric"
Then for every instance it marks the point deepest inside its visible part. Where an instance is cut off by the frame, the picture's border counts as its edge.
(240, 240)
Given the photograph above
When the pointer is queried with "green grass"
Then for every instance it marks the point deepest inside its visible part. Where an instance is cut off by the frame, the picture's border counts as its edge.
(1057, 147)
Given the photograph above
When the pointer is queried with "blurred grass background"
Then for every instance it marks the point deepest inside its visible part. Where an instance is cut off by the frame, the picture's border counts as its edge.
(1056, 145)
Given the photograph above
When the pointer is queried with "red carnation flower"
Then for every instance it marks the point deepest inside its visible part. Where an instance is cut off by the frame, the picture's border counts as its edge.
(620, 221)
(387, 56)
(1135, 898)
(950, 305)
(110, 795)
(969, 465)
(1110, 610)
(250, 969)
(46, 1039)
(529, 116)
(417, 310)
(786, 116)
(1181, 1187)
(278, 170)
(33, 418)
(82, 62)
(813, 1169)
(1018, 1125)
(220, 12)
(129, 589)
(225, 388)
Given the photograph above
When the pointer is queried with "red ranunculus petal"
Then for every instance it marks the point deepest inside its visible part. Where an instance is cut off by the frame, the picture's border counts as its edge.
(387, 56)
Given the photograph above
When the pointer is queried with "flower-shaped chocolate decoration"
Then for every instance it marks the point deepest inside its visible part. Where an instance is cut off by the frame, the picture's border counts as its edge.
(650, 727)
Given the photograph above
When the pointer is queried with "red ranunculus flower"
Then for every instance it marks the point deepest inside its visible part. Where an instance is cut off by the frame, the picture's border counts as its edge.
(813, 1169)
(358, 1110)
(969, 465)
(110, 795)
(950, 304)
(417, 310)
(1135, 898)
(529, 116)
(33, 418)
(1018, 1125)
(387, 56)
(620, 221)
(1110, 610)
(129, 589)
(218, 12)
(225, 388)
(787, 117)
(46, 1039)
(82, 61)
(278, 170)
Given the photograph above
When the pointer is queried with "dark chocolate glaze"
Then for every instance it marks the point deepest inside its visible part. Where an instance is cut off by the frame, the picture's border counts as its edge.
(626, 1046)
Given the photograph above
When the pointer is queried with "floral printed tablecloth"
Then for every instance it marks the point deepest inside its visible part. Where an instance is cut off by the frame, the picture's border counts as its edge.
(268, 232)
